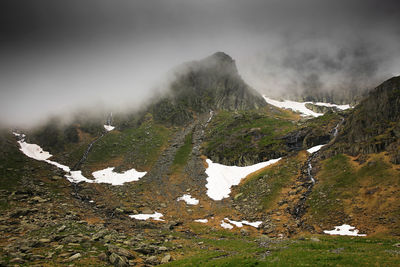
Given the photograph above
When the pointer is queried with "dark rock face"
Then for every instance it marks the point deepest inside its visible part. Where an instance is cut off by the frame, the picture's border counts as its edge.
(212, 83)
(374, 125)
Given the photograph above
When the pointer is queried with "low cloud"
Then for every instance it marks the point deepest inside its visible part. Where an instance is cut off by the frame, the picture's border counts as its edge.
(61, 56)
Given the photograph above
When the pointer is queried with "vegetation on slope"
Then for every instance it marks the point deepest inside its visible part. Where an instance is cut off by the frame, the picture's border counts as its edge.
(262, 189)
(374, 125)
(246, 137)
(366, 194)
(133, 147)
(227, 248)
(183, 153)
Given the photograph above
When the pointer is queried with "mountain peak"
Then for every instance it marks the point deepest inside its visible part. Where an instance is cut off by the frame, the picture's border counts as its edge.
(223, 57)
(220, 61)
(210, 83)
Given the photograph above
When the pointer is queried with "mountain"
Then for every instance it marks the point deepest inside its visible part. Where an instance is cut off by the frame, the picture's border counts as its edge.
(206, 174)
(212, 83)
(374, 125)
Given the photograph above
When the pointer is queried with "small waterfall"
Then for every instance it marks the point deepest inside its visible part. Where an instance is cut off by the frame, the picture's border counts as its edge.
(336, 129)
(85, 155)
(309, 169)
(211, 116)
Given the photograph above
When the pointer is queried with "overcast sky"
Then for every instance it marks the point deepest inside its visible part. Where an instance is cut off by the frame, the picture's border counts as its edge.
(56, 56)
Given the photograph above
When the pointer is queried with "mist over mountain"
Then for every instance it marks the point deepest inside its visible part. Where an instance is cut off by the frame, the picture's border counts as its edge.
(58, 56)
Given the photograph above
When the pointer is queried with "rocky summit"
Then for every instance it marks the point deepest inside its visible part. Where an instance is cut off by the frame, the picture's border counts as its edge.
(212, 83)
(208, 173)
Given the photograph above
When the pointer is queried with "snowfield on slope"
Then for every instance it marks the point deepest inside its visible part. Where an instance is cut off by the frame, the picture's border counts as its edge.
(314, 149)
(226, 225)
(156, 216)
(102, 176)
(188, 199)
(108, 176)
(241, 223)
(201, 220)
(36, 152)
(77, 177)
(344, 229)
(221, 177)
(301, 106)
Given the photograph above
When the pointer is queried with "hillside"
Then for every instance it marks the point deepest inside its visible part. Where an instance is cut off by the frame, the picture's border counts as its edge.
(374, 126)
(212, 83)
(207, 174)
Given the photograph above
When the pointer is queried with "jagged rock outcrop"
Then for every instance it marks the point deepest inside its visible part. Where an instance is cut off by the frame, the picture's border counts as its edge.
(374, 125)
(212, 83)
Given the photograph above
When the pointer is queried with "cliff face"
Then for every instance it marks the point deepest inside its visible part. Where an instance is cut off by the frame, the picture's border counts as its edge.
(209, 84)
(374, 125)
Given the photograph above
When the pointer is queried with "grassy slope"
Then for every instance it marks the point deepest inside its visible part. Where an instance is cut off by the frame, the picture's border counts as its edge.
(367, 194)
(234, 137)
(268, 183)
(183, 153)
(227, 248)
(133, 147)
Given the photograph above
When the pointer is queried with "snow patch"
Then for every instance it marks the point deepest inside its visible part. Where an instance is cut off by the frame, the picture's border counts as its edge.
(221, 177)
(341, 107)
(103, 176)
(296, 106)
(33, 151)
(58, 165)
(344, 229)
(240, 224)
(201, 220)
(108, 176)
(36, 152)
(314, 149)
(109, 128)
(77, 177)
(226, 225)
(301, 106)
(156, 216)
(188, 199)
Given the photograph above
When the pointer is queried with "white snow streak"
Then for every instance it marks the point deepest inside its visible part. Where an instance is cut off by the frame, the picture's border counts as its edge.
(77, 177)
(341, 107)
(188, 199)
(296, 106)
(240, 224)
(108, 176)
(344, 229)
(221, 177)
(301, 106)
(103, 176)
(156, 216)
(36, 152)
(314, 149)
(226, 225)
(33, 151)
(201, 220)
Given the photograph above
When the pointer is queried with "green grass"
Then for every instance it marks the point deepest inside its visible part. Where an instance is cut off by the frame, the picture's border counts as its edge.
(223, 248)
(245, 134)
(183, 153)
(275, 178)
(339, 179)
(140, 146)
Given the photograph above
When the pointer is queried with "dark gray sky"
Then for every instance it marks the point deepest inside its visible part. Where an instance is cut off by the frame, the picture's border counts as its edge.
(56, 56)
